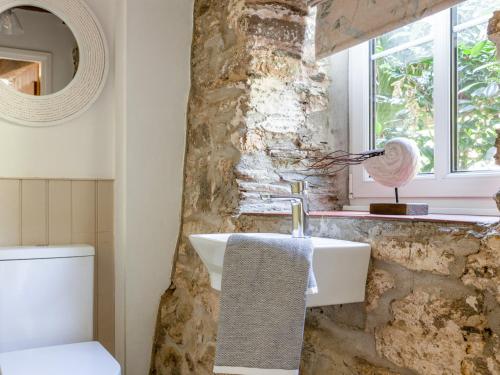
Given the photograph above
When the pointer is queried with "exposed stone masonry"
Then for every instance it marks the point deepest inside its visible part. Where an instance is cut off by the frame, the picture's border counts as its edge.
(254, 104)
(257, 100)
(414, 320)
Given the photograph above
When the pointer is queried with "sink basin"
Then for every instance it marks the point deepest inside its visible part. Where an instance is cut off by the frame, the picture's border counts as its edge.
(340, 267)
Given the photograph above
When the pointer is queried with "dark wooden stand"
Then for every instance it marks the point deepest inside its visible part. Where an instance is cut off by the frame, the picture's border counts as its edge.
(399, 208)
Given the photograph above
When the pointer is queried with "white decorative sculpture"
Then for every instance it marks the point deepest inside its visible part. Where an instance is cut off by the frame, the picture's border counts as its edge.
(394, 166)
(397, 166)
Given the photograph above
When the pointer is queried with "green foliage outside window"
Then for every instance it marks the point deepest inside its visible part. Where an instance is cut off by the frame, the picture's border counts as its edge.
(478, 104)
(404, 98)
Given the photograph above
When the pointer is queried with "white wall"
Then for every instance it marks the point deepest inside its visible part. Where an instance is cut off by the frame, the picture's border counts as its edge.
(338, 115)
(135, 133)
(153, 79)
(81, 148)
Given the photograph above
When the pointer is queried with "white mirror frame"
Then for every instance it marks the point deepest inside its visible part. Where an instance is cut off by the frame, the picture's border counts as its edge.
(83, 90)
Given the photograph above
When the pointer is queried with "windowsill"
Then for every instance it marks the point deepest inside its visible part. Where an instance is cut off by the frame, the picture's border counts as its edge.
(431, 218)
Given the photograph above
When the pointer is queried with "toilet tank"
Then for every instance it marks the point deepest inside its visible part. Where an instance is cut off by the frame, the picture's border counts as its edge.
(46, 296)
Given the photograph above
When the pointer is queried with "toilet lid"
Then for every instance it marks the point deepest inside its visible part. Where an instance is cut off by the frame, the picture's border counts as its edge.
(87, 358)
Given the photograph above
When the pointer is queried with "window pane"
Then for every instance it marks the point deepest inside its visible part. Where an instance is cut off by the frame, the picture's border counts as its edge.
(477, 99)
(471, 9)
(403, 35)
(402, 103)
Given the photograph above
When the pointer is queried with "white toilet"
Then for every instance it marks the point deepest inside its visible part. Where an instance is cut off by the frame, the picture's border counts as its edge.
(46, 313)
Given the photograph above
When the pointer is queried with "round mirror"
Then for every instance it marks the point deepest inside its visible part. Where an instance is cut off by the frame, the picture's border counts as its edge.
(75, 55)
(38, 52)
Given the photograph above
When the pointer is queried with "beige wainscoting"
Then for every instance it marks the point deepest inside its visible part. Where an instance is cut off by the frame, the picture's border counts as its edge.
(59, 212)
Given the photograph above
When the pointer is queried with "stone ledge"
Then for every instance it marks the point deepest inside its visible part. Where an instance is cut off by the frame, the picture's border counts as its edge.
(431, 218)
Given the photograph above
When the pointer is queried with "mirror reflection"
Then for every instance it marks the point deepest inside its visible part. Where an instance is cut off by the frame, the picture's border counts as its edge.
(38, 51)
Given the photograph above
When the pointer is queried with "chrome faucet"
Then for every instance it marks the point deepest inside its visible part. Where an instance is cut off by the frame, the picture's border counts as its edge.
(300, 207)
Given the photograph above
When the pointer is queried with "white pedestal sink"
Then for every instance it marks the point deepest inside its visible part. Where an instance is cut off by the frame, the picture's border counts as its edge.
(340, 267)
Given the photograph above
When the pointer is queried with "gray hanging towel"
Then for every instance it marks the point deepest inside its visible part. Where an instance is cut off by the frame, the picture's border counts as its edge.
(263, 304)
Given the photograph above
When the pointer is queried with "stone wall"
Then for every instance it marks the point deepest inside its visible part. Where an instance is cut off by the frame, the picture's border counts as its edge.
(432, 301)
(432, 304)
(257, 102)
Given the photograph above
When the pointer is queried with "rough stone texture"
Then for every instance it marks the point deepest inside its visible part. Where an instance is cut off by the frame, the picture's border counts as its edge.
(379, 282)
(363, 367)
(434, 335)
(413, 321)
(257, 101)
(483, 268)
(415, 249)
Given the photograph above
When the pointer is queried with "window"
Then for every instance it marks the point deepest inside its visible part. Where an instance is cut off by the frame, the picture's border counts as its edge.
(402, 97)
(437, 82)
(476, 80)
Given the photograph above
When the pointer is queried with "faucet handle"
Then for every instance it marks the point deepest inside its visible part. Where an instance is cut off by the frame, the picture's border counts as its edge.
(299, 187)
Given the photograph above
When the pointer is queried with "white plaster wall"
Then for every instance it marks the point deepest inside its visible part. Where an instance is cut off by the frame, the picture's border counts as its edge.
(153, 85)
(81, 148)
(135, 133)
(338, 115)
(45, 32)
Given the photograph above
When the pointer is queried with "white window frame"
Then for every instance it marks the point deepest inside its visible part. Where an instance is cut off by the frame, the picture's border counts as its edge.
(445, 191)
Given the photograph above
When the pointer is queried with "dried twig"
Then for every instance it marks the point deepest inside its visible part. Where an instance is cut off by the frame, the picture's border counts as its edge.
(333, 162)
